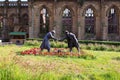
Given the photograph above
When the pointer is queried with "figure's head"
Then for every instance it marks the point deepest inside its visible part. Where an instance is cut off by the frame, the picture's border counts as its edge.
(53, 31)
(66, 32)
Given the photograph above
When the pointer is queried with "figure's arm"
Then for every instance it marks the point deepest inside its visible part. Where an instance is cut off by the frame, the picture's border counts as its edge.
(62, 38)
(52, 36)
(74, 37)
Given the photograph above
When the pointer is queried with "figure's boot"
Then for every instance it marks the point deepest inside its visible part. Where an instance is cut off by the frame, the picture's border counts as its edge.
(48, 50)
(70, 50)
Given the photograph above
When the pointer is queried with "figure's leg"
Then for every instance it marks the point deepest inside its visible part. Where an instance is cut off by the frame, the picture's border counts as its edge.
(78, 48)
(41, 49)
(70, 49)
(48, 49)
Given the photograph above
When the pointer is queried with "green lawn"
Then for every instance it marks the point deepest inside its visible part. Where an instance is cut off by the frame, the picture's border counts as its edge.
(106, 66)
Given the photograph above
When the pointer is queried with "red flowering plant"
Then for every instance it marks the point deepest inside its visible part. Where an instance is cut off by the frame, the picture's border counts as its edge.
(54, 51)
(33, 51)
(60, 52)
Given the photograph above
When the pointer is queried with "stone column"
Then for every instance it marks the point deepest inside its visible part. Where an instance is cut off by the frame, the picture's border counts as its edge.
(18, 11)
(59, 26)
(81, 24)
(105, 31)
(36, 22)
(82, 27)
(52, 16)
(5, 31)
(98, 28)
(51, 22)
(119, 26)
(31, 21)
(58, 22)
(74, 26)
(55, 17)
(104, 25)
(104, 22)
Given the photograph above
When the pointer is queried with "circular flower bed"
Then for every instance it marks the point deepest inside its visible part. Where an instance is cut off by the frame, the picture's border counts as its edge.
(61, 52)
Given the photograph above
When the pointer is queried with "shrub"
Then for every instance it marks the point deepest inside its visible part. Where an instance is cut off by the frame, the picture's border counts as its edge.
(111, 48)
(117, 49)
(58, 44)
(32, 43)
(102, 47)
(115, 43)
(90, 46)
(83, 46)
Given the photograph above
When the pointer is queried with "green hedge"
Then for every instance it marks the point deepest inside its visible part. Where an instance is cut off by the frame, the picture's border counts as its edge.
(116, 43)
(38, 39)
(99, 42)
(88, 46)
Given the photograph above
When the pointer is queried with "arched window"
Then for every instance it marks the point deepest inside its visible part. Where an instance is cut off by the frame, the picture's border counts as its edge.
(67, 19)
(89, 21)
(113, 21)
(25, 19)
(44, 21)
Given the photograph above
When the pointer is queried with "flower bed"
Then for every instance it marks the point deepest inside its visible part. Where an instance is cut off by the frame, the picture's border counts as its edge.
(54, 51)
(61, 52)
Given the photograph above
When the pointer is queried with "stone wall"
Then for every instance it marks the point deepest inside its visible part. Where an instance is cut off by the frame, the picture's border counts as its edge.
(55, 10)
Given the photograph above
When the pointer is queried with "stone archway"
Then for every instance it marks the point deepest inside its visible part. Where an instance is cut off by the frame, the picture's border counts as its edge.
(90, 14)
(66, 19)
(113, 23)
(44, 21)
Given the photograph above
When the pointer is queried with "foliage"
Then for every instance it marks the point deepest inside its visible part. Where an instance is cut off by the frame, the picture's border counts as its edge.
(100, 47)
(107, 46)
(60, 52)
(116, 43)
(105, 66)
(99, 42)
(32, 43)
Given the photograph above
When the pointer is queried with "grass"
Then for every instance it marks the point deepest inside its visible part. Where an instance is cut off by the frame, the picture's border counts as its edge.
(106, 66)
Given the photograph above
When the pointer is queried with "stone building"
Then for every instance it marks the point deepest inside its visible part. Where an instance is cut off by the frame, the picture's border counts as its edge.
(13, 17)
(88, 19)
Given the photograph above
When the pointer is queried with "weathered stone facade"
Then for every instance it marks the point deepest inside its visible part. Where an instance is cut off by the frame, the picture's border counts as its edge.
(13, 17)
(55, 8)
